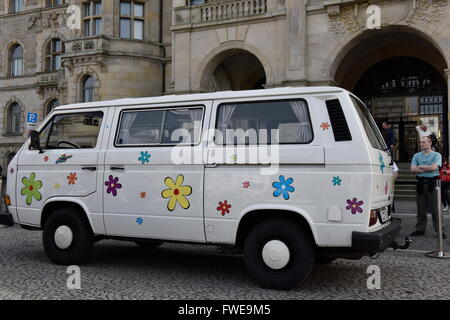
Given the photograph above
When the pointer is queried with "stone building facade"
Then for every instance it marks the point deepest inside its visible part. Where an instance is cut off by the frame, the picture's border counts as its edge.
(57, 57)
(394, 54)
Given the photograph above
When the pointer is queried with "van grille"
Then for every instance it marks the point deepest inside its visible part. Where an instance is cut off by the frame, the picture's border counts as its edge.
(338, 122)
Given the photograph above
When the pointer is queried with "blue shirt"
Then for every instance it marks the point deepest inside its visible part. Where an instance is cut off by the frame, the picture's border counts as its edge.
(427, 159)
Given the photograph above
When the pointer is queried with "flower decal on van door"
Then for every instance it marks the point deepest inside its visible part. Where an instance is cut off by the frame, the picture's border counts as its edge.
(382, 164)
(283, 187)
(145, 157)
(31, 189)
(354, 205)
(176, 192)
(113, 184)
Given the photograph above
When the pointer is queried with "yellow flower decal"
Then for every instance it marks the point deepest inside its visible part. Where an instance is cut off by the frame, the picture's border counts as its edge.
(31, 189)
(177, 193)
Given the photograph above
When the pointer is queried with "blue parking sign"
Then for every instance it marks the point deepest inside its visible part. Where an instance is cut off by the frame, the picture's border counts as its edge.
(32, 117)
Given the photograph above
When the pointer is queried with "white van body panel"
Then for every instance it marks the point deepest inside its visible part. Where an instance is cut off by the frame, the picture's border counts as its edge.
(59, 172)
(142, 185)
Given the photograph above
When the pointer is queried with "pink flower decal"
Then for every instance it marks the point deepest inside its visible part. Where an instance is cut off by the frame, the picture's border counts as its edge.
(246, 184)
(113, 185)
(46, 158)
(224, 207)
(355, 206)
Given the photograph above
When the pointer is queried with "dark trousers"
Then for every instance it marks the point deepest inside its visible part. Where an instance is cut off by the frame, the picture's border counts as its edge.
(444, 193)
(426, 198)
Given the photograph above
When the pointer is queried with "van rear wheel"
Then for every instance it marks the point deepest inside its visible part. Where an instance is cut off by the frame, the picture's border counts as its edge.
(67, 237)
(278, 254)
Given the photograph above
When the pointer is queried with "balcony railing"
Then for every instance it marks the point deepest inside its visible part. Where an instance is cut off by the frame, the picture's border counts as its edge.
(201, 13)
(215, 10)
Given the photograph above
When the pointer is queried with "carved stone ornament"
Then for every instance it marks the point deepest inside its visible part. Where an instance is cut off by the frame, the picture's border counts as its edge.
(343, 21)
(428, 12)
(48, 20)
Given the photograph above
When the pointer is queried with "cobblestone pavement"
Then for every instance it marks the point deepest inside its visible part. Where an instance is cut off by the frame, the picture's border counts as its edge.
(120, 270)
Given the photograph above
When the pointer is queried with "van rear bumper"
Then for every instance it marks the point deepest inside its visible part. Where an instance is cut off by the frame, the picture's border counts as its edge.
(377, 241)
(6, 219)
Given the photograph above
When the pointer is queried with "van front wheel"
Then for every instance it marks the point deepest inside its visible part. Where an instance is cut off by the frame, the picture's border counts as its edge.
(278, 254)
(67, 237)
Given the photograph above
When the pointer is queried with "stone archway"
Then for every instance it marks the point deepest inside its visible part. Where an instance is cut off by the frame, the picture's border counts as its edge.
(399, 69)
(233, 69)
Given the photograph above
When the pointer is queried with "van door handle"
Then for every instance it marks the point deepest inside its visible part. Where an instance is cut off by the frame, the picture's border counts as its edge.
(118, 168)
(89, 168)
(211, 165)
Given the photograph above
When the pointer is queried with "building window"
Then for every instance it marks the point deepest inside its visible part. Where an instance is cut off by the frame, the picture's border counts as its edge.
(16, 60)
(88, 89)
(13, 115)
(132, 20)
(52, 3)
(54, 52)
(16, 6)
(51, 105)
(92, 20)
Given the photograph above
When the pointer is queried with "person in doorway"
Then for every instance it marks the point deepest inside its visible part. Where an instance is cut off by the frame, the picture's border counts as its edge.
(423, 131)
(445, 178)
(389, 137)
(426, 166)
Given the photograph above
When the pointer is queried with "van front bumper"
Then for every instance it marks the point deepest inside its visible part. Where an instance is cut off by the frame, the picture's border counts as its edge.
(6, 219)
(377, 241)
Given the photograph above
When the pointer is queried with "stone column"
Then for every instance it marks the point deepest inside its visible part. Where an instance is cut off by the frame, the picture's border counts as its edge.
(296, 43)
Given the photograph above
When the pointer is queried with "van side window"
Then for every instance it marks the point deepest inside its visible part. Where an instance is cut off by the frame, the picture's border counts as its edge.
(160, 127)
(257, 123)
(73, 131)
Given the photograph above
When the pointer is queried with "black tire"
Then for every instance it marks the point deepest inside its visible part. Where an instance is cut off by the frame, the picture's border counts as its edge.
(83, 239)
(301, 250)
(148, 244)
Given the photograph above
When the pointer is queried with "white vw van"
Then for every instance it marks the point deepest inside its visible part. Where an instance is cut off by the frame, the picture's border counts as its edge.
(288, 176)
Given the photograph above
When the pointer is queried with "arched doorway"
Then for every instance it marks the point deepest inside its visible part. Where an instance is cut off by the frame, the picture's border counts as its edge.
(234, 69)
(399, 73)
(406, 92)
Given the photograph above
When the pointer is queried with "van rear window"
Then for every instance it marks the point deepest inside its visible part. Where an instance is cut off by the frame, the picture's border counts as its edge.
(259, 123)
(372, 131)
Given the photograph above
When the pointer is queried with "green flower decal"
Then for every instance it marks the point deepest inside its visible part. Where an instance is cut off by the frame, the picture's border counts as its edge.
(31, 189)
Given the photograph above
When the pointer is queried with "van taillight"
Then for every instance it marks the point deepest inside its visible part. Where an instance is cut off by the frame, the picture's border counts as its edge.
(7, 200)
(373, 217)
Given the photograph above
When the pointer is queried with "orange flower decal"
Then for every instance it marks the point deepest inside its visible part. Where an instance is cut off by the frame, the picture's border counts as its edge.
(72, 178)
(325, 126)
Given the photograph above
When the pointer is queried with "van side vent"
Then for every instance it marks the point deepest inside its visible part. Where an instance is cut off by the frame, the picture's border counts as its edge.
(338, 121)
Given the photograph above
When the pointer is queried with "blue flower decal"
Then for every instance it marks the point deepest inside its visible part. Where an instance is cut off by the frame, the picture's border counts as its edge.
(139, 221)
(337, 181)
(145, 157)
(283, 187)
(382, 164)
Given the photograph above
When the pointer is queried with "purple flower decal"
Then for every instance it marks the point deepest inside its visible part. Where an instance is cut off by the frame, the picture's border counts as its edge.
(113, 185)
(354, 205)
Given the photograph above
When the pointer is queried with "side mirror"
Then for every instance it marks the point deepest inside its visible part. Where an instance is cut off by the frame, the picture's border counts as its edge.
(36, 141)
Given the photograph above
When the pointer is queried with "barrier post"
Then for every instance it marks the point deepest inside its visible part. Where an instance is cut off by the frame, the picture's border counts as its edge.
(440, 246)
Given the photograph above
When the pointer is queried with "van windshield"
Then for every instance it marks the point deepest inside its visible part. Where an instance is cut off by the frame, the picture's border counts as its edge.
(374, 135)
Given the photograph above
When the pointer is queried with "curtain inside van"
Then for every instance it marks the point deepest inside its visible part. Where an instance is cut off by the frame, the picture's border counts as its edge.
(126, 123)
(304, 132)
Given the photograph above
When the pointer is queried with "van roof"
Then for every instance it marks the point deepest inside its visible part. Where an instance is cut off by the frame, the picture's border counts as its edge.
(204, 96)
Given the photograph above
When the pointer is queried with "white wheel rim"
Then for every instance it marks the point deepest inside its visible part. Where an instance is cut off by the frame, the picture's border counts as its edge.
(276, 254)
(63, 237)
